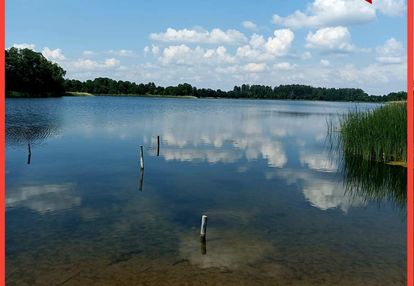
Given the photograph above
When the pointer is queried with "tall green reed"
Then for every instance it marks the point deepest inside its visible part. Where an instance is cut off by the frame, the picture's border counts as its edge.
(378, 135)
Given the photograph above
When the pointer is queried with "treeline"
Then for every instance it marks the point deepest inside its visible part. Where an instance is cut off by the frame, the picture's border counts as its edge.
(29, 73)
(106, 86)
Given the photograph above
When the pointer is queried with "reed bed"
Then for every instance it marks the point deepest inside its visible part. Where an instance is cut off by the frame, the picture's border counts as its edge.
(378, 135)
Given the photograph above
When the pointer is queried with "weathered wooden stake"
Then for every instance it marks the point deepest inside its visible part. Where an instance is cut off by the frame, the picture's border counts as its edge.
(158, 146)
(203, 245)
(141, 180)
(29, 155)
(142, 158)
(203, 229)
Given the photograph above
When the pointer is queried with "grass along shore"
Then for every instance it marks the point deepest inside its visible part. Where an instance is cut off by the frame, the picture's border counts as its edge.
(378, 135)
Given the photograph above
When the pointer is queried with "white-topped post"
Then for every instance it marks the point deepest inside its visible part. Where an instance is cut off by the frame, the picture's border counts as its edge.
(142, 158)
(203, 230)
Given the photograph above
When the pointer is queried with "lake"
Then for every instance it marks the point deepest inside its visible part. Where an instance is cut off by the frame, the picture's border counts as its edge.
(283, 206)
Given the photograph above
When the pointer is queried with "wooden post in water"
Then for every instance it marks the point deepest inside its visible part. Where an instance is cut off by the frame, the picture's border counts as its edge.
(141, 180)
(29, 155)
(203, 230)
(142, 157)
(203, 245)
(158, 145)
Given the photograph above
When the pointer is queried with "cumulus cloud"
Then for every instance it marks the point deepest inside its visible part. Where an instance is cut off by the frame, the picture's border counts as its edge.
(391, 7)
(329, 13)
(280, 43)
(91, 65)
(261, 49)
(111, 62)
(249, 25)
(55, 54)
(200, 36)
(24, 46)
(153, 49)
(183, 54)
(284, 66)
(330, 38)
(392, 52)
(254, 67)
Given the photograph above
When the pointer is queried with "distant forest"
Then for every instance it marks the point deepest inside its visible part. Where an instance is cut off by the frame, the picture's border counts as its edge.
(105, 86)
(30, 74)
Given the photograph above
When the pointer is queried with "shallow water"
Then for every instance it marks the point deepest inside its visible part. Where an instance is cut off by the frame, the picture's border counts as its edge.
(280, 209)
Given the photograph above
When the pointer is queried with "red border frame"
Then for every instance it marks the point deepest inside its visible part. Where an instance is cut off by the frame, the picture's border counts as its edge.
(2, 146)
(410, 145)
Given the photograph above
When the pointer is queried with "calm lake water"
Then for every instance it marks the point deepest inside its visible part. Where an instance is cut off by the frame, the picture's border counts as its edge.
(282, 209)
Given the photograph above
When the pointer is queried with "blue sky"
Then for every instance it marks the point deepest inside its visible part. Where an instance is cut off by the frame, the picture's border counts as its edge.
(219, 44)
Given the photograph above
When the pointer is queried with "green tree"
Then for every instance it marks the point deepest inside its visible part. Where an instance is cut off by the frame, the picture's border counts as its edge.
(31, 73)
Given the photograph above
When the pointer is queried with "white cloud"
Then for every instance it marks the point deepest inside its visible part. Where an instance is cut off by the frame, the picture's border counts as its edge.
(257, 41)
(275, 154)
(306, 55)
(24, 46)
(392, 52)
(384, 74)
(88, 53)
(85, 64)
(122, 53)
(215, 36)
(43, 198)
(321, 193)
(155, 50)
(326, 195)
(330, 38)
(125, 53)
(325, 62)
(111, 62)
(391, 7)
(329, 13)
(280, 43)
(261, 49)
(254, 67)
(91, 65)
(284, 66)
(318, 162)
(183, 54)
(249, 25)
(55, 54)
(210, 156)
(179, 54)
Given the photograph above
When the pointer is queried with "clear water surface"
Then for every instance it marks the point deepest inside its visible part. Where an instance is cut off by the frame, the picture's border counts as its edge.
(280, 210)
